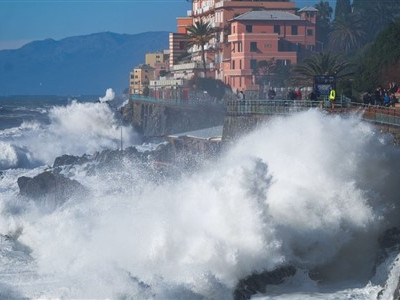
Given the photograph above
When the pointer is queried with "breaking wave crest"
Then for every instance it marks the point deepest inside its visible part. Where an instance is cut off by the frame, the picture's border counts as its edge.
(311, 190)
(75, 129)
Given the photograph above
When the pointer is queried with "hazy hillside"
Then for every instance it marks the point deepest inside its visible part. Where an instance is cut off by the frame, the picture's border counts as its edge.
(77, 65)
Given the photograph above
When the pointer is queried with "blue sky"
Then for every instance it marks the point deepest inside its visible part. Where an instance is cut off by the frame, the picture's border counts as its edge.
(22, 21)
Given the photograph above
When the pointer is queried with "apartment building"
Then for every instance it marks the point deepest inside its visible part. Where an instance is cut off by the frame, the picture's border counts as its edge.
(266, 35)
(278, 31)
(140, 78)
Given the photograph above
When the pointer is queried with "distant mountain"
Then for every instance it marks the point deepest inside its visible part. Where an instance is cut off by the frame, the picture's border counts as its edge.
(77, 65)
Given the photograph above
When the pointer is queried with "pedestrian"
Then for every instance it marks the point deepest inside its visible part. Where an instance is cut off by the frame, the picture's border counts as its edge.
(332, 97)
(313, 96)
(298, 94)
(242, 95)
(271, 94)
(386, 100)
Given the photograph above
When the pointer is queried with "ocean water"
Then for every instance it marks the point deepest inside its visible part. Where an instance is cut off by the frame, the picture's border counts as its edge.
(311, 190)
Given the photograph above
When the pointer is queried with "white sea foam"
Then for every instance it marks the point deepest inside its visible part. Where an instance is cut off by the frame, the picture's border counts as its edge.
(309, 190)
(75, 129)
(109, 96)
(8, 156)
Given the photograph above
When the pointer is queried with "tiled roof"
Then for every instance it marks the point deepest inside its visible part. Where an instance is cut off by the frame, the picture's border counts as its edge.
(308, 8)
(267, 15)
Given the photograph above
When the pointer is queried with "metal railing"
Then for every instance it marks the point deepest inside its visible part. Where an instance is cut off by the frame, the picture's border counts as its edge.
(371, 113)
(240, 107)
(375, 114)
(174, 101)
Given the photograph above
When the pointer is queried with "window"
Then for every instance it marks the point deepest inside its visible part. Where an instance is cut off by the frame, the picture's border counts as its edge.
(233, 29)
(240, 49)
(240, 64)
(181, 45)
(277, 29)
(310, 32)
(249, 28)
(294, 30)
(253, 64)
(233, 65)
(253, 46)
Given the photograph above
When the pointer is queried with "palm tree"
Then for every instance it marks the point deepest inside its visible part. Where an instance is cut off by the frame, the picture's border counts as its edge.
(347, 33)
(324, 11)
(323, 64)
(382, 12)
(199, 35)
(342, 9)
(323, 21)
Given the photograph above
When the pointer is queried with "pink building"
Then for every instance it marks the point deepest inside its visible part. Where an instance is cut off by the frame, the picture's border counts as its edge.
(266, 35)
(278, 31)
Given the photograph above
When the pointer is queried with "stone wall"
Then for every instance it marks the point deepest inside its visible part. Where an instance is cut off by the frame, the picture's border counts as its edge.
(235, 126)
(157, 119)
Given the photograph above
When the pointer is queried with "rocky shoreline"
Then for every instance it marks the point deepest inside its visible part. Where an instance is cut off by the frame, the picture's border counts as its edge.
(169, 159)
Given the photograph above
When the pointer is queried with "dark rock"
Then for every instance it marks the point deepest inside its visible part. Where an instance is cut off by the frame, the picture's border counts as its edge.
(396, 295)
(390, 238)
(389, 242)
(49, 184)
(66, 160)
(257, 283)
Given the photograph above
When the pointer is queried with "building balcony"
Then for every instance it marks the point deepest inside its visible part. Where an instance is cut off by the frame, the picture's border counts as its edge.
(238, 72)
(186, 66)
(200, 12)
(166, 83)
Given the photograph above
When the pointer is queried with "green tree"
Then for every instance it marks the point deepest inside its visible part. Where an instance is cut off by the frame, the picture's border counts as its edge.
(199, 35)
(342, 9)
(376, 14)
(146, 91)
(347, 33)
(324, 11)
(323, 21)
(323, 64)
(263, 73)
(380, 61)
(214, 87)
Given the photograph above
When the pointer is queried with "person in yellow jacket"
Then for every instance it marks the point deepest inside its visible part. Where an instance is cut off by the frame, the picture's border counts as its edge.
(332, 97)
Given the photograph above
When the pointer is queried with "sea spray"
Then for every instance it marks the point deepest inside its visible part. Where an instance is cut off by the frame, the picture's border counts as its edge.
(75, 129)
(303, 190)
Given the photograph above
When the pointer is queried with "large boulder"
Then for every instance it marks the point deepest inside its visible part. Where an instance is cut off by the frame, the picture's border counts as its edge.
(257, 283)
(49, 184)
(66, 160)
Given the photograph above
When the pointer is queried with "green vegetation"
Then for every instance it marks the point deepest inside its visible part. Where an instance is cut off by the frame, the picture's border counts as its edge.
(342, 9)
(323, 21)
(214, 88)
(347, 34)
(323, 64)
(199, 35)
(380, 62)
(365, 33)
(146, 91)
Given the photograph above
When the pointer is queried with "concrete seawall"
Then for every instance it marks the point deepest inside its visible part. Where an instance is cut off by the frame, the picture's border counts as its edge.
(236, 126)
(159, 119)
